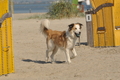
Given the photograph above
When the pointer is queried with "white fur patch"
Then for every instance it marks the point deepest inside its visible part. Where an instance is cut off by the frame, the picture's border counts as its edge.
(77, 28)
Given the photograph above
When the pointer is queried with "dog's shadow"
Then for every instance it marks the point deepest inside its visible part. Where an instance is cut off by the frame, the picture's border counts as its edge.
(41, 62)
(82, 43)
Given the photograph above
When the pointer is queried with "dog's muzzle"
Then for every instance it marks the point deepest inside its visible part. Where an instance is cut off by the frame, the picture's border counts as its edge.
(78, 34)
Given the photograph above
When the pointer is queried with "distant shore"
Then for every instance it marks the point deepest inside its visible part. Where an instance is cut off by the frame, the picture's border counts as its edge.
(31, 8)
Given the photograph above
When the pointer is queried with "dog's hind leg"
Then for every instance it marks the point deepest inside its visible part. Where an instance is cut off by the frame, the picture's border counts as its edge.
(47, 55)
(53, 53)
(50, 47)
(73, 52)
(47, 51)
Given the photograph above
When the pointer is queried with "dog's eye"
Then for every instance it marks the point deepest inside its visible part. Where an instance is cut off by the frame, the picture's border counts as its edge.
(75, 28)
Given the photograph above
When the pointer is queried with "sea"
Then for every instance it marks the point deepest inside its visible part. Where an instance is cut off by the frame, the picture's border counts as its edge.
(31, 8)
(35, 8)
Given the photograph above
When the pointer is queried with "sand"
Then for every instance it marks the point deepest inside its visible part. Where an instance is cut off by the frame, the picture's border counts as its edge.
(29, 52)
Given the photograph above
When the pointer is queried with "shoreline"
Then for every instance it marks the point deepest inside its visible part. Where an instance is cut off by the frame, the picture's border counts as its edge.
(17, 16)
(24, 16)
(32, 13)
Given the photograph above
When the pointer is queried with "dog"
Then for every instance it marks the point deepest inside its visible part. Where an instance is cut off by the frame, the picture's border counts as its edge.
(64, 40)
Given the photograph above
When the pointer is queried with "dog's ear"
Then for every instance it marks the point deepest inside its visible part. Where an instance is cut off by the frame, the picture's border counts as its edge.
(80, 25)
(71, 26)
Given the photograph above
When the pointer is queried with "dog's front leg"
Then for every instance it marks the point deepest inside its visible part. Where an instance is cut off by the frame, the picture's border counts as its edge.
(73, 52)
(67, 55)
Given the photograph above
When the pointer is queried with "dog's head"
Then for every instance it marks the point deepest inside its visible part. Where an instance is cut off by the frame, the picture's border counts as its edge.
(75, 28)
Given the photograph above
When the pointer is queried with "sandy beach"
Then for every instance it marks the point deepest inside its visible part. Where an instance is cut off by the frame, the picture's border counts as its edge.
(30, 47)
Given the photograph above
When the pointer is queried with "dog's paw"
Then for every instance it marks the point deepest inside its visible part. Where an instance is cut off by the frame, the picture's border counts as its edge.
(72, 57)
(52, 62)
(67, 62)
(46, 61)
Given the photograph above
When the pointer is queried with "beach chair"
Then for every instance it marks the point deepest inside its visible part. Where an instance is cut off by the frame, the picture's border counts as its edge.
(103, 26)
(6, 41)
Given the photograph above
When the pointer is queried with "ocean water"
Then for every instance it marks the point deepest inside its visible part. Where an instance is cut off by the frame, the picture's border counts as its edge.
(33, 8)
(36, 8)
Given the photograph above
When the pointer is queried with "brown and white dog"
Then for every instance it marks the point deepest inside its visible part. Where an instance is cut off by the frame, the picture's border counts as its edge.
(65, 40)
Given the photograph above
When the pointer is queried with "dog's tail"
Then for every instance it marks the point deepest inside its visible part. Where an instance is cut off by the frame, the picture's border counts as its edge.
(44, 25)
